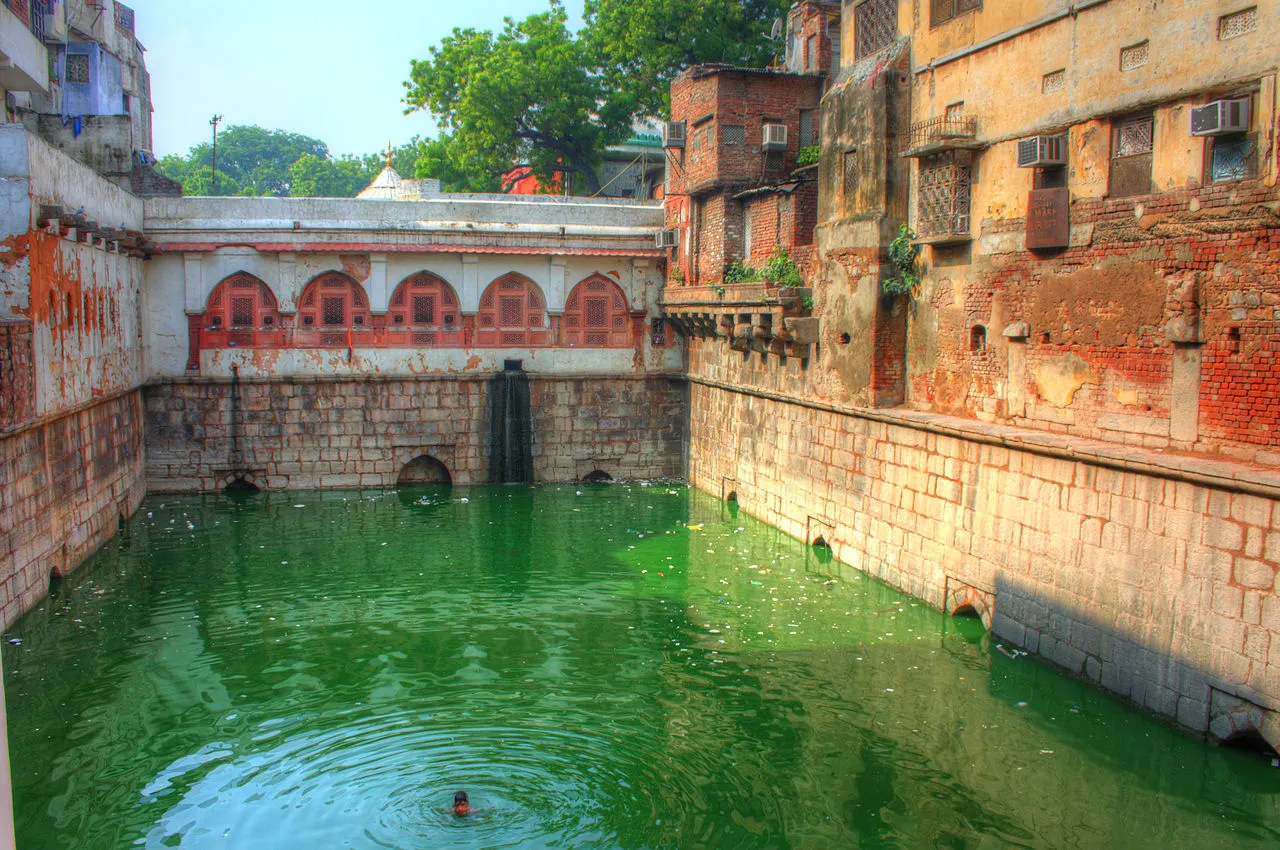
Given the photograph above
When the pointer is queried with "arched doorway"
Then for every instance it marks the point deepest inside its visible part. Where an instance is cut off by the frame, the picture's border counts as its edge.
(423, 470)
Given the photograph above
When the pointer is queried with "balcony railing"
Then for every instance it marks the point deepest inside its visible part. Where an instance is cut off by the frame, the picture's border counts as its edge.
(936, 134)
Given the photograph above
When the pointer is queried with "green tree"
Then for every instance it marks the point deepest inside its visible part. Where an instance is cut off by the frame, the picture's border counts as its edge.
(640, 45)
(313, 177)
(527, 94)
(438, 159)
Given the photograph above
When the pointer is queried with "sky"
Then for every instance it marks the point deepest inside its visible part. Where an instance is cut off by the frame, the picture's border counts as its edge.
(328, 69)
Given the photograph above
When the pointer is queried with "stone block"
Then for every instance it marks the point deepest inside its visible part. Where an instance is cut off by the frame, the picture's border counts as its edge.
(1255, 574)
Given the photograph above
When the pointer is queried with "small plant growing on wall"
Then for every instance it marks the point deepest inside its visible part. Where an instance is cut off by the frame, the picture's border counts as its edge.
(904, 253)
(781, 269)
(809, 155)
(739, 272)
(676, 278)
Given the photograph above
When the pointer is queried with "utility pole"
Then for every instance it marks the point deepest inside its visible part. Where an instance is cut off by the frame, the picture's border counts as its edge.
(214, 121)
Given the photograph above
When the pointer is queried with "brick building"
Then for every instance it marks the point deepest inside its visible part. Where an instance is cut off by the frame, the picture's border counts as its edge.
(735, 188)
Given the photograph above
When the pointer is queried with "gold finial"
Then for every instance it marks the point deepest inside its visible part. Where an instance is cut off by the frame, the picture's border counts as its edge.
(388, 154)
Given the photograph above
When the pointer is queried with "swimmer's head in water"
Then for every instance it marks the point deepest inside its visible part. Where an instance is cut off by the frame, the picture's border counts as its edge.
(461, 805)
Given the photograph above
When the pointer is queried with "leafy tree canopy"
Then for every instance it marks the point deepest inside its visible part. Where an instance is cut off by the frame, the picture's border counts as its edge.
(527, 94)
(641, 45)
(536, 93)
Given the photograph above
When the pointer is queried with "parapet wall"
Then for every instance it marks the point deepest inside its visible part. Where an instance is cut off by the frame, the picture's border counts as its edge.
(1152, 576)
(322, 432)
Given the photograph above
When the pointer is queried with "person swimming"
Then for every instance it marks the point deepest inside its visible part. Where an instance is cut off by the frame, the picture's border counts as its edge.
(461, 805)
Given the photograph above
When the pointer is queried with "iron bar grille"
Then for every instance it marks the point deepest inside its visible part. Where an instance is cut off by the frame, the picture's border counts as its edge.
(875, 25)
(936, 130)
(944, 193)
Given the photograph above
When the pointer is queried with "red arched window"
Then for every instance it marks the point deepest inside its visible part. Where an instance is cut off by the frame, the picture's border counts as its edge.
(241, 313)
(334, 312)
(596, 315)
(424, 311)
(512, 312)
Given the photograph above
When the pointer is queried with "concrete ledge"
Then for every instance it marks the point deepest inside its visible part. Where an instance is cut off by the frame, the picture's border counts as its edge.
(204, 380)
(1224, 474)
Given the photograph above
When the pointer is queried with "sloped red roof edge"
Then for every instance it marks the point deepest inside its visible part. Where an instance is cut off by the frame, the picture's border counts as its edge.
(375, 248)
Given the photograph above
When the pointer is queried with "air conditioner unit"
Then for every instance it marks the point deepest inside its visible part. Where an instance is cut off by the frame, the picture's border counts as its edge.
(1230, 115)
(668, 238)
(675, 134)
(775, 137)
(1042, 151)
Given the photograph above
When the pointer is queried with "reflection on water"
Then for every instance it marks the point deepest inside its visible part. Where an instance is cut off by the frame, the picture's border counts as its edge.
(606, 666)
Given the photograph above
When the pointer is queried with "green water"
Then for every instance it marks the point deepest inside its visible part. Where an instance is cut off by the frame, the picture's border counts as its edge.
(324, 670)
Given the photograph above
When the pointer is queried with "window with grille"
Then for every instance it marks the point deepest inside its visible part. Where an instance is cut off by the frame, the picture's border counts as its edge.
(875, 26)
(124, 17)
(1238, 23)
(944, 10)
(658, 332)
(1135, 56)
(808, 127)
(424, 310)
(512, 308)
(242, 311)
(1233, 158)
(77, 69)
(733, 134)
(333, 310)
(773, 161)
(943, 196)
(1132, 142)
(1054, 81)
(850, 172)
(811, 53)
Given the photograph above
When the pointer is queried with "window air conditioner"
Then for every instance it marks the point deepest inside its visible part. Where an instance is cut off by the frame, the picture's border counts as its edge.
(775, 137)
(1042, 151)
(675, 134)
(1221, 116)
(668, 238)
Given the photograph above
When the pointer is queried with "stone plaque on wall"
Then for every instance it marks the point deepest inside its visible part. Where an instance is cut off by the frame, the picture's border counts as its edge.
(1049, 218)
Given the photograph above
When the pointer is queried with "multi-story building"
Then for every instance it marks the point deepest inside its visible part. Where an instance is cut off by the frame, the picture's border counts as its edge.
(1061, 411)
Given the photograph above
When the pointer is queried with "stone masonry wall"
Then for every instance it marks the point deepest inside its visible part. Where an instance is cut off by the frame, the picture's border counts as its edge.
(64, 486)
(318, 433)
(1134, 570)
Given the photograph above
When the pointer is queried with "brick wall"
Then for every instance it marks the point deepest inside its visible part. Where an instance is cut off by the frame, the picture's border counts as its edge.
(64, 485)
(300, 434)
(1159, 589)
(1205, 258)
(17, 375)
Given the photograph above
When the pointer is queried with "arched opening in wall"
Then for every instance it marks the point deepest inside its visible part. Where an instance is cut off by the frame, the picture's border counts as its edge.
(240, 484)
(424, 471)
(978, 339)
(599, 476)
(55, 581)
(241, 313)
(822, 552)
(1250, 741)
(595, 315)
(732, 496)
(424, 311)
(513, 313)
(967, 611)
(333, 312)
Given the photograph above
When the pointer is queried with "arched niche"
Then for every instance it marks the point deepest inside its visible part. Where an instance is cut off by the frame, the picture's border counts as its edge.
(333, 312)
(423, 470)
(241, 312)
(424, 310)
(596, 316)
(513, 313)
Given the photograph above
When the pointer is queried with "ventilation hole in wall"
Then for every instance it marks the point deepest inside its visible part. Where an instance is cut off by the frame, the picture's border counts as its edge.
(242, 485)
(978, 339)
(599, 476)
(845, 339)
(1045, 338)
(1250, 741)
(1233, 340)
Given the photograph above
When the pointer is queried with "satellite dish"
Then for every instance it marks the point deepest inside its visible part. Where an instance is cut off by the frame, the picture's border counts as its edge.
(776, 32)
